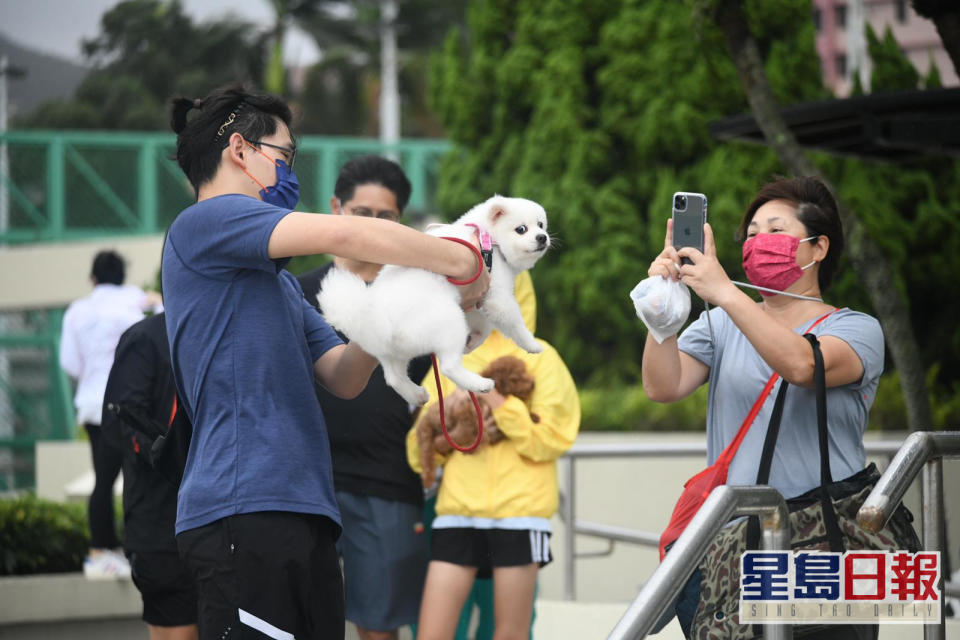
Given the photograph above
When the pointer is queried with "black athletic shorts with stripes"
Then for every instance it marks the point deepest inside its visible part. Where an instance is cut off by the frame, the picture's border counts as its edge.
(487, 549)
(266, 575)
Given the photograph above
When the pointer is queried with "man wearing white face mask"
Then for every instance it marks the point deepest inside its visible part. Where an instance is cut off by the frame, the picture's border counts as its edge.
(793, 244)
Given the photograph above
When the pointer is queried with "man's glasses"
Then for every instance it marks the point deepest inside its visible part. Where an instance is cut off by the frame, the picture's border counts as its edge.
(289, 153)
(385, 214)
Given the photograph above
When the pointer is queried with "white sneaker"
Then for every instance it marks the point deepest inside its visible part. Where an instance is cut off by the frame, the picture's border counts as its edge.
(106, 565)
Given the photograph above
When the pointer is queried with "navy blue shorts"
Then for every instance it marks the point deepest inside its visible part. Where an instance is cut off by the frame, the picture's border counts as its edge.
(384, 551)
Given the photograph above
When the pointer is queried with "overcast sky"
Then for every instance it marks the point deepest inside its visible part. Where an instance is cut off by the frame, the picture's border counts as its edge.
(58, 26)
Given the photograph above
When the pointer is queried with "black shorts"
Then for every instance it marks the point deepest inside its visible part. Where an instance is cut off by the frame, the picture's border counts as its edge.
(487, 549)
(270, 574)
(168, 592)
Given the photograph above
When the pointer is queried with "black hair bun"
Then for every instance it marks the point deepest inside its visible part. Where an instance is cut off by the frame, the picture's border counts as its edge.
(178, 112)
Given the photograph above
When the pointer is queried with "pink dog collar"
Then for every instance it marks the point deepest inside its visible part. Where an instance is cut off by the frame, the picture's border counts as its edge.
(486, 244)
(486, 241)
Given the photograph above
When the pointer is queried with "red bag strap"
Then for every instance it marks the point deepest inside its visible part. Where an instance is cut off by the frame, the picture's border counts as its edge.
(727, 455)
(173, 412)
(731, 450)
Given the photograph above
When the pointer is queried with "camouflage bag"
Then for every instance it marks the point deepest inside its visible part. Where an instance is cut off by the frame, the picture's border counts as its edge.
(717, 616)
(823, 519)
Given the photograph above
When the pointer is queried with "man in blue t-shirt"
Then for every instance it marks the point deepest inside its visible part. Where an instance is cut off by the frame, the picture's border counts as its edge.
(257, 519)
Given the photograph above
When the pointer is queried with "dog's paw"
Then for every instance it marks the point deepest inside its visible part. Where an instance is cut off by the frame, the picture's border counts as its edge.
(485, 385)
(420, 397)
(531, 346)
(415, 396)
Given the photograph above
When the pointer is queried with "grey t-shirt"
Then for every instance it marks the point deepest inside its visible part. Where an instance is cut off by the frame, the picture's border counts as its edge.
(737, 376)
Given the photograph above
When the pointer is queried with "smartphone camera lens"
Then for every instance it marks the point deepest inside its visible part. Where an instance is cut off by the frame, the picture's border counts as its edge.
(680, 203)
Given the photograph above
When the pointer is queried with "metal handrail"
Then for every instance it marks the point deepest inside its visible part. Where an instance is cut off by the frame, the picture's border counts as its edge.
(684, 449)
(921, 451)
(614, 534)
(723, 503)
(917, 450)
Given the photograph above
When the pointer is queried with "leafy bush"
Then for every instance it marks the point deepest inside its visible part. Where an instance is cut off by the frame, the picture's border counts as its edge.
(40, 536)
(627, 408)
(889, 412)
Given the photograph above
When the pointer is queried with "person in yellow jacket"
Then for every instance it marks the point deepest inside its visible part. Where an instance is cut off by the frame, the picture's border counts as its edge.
(494, 504)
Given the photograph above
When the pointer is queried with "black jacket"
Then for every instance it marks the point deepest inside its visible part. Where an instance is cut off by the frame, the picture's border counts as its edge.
(368, 434)
(141, 386)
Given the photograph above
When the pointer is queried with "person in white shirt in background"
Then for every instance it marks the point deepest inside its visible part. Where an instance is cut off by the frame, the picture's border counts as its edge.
(91, 330)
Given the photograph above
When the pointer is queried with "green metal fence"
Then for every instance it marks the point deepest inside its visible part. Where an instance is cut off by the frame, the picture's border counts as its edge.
(63, 186)
(35, 396)
(79, 185)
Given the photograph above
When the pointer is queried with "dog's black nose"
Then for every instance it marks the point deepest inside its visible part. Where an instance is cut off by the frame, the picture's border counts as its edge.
(542, 239)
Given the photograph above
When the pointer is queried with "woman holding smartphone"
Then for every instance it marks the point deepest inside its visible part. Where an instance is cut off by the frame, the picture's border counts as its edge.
(793, 240)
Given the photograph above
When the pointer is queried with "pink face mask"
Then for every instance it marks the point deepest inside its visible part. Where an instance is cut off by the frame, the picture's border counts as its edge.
(770, 260)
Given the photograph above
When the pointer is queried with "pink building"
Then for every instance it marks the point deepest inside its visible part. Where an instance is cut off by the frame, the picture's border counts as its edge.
(842, 40)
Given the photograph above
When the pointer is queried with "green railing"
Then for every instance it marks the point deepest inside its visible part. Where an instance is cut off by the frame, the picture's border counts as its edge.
(35, 395)
(77, 185)
(74, 185)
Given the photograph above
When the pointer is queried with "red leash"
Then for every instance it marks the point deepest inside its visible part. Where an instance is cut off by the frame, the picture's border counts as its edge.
(436, 370)
(443, 420)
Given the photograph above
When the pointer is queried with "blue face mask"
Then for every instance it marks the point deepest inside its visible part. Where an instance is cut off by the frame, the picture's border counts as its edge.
(286, 192)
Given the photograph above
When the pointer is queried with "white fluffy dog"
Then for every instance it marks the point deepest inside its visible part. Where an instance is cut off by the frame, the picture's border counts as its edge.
(407, 312)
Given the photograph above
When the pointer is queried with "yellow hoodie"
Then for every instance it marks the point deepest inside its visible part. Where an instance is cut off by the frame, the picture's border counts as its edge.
(516, 477)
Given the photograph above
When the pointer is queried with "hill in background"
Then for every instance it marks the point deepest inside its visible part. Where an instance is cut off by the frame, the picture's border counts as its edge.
(48, 77)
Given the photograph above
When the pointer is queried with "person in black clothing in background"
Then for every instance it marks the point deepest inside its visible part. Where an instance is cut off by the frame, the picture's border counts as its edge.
(140, 402)
(383, 546)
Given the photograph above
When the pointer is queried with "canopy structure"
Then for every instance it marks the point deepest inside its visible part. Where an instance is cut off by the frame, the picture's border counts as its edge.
(897, 127)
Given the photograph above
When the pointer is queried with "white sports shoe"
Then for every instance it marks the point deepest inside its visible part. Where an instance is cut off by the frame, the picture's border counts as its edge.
(106, 565)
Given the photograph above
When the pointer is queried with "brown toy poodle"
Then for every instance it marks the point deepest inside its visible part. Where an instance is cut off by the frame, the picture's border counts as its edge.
(510, 377)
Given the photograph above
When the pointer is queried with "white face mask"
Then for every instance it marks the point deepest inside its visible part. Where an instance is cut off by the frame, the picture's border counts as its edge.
(812, 262)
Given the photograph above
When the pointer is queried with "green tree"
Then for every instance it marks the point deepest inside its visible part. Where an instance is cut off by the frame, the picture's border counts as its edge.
(932, 79)
(337, 97)
(892, 70)
(345, 84)
(148, 50)
(600, 111)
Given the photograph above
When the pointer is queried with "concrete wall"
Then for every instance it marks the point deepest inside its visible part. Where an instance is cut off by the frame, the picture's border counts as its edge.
(52, 275)
(60, 465)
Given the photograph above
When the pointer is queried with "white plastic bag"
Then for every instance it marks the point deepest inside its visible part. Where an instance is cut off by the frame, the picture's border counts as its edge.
(663, 304)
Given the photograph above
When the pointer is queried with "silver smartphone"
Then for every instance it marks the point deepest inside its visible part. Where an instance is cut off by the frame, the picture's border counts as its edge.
(689, 216)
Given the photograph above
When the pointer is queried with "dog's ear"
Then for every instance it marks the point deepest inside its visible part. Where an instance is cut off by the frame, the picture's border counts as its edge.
(496, 211)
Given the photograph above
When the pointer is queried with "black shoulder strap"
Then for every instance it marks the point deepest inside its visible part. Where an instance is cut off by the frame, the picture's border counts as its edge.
(773, 430)
(830, 521)
(820, 383)
(766, 458)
